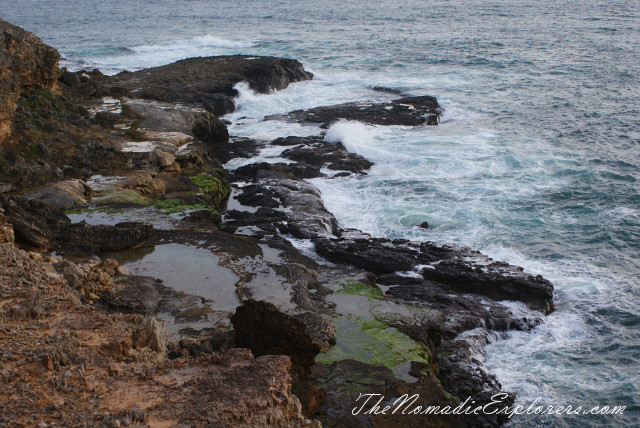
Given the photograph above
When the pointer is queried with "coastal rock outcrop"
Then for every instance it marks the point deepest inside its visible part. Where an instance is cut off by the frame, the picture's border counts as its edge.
(320, 153)
(458, 268)
(26, 63)
(209, 82)
(407, 111)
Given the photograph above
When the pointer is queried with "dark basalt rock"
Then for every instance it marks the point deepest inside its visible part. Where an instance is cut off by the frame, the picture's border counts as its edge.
(255, 195)
(210, 129)
(204, 217)
(219, 104)
(458, 268)
(317, 152)
(237, 147)
(265, 170)
(108, 238)
(407, 111)
(209, 81)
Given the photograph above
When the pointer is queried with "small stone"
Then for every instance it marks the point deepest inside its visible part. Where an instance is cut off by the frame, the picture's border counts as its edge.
(424, 225)
(123, 271)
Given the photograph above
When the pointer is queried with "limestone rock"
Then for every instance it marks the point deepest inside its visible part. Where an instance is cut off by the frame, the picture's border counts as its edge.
(25, 64)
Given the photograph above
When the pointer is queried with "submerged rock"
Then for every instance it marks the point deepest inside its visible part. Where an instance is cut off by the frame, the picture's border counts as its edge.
(407, 111)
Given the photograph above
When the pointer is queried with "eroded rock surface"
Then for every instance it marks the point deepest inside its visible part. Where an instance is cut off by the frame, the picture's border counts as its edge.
(25, 64)
(407, 111)
(209, 81)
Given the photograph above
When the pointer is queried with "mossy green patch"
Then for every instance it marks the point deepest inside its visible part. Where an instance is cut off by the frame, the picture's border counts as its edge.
(356, 288)
(173, 206)
(128, 196)
(372, 342)
(214, 186)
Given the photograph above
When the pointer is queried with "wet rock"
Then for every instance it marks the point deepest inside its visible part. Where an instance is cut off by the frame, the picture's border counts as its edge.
(321, 330)
(210, 129)
(134, 294)
(407, 111)
(458, 268)
(64, 195)
(108, 238)
(238, 147)
(346, 380)
(204, 217)
(219, 104)
(317, 152)
(255, 195)
(424, 225)
(263, 170)
(306, 215)
(202, 81)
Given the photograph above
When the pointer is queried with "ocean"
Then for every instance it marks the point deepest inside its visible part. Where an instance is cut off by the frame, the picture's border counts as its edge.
(536, 161)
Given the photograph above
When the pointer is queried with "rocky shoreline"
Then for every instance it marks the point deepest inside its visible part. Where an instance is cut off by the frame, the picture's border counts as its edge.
(144, 282)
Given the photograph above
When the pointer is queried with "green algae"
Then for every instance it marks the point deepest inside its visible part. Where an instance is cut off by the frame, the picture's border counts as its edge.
(356, 288)
(215, 188)
(127, 196)
(373, 342)
(176, 206)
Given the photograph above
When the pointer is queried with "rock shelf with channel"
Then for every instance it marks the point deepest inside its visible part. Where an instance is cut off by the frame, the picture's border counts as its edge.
(154, 272)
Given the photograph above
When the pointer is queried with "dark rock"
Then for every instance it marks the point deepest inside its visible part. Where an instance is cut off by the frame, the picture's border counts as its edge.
(108, 238)
(107, 119)
(210, 129)
(317, 152)
(219, 104)
(265, 170)
(261, 327)
(238, 147)
(458, 268)
(306, 216)
(202, 81)
(204, 217)
(135, 294)
(424, 225)
(70, 79)
(255, 195)
(407, 111)
(35, 223)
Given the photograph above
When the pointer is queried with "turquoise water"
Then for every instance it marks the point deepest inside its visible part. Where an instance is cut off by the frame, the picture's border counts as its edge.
(537, 160)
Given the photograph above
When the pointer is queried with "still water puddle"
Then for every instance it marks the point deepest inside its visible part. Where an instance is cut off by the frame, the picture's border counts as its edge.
(191, 270)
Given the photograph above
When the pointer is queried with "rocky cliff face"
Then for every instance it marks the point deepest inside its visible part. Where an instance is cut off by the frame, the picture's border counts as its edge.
(25, 64)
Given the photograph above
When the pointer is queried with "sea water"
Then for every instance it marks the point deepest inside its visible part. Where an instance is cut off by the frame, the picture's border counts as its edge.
(536, 160)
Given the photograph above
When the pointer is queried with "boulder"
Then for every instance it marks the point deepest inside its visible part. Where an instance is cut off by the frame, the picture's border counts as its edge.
(64, 195)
